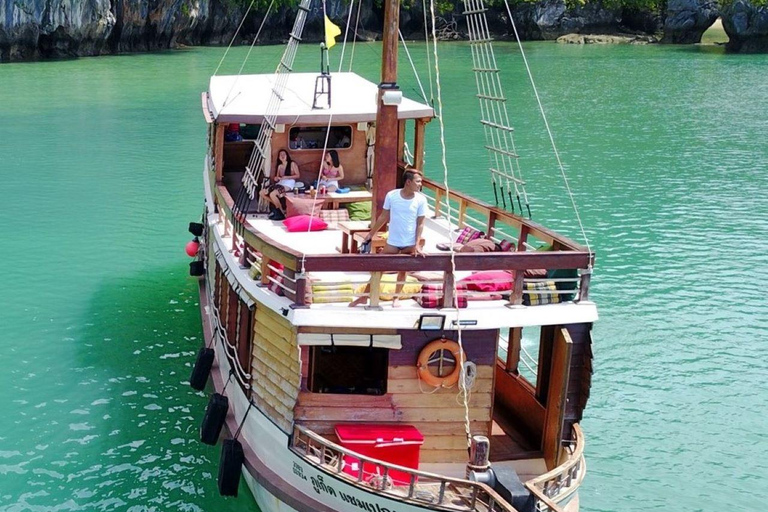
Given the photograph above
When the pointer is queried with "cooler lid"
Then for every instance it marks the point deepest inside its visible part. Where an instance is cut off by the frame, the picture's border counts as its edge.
(377, 434)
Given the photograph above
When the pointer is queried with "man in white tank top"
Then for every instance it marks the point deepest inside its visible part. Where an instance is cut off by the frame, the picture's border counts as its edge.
(404, 209)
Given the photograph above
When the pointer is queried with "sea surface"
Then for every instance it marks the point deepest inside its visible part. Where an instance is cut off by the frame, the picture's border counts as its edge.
(666, 154)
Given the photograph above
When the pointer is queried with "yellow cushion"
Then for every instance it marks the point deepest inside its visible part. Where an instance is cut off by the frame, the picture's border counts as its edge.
(411, 287)
(324, 294)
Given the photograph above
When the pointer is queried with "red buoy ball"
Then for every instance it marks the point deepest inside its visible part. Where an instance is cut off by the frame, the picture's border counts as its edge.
(192, 248)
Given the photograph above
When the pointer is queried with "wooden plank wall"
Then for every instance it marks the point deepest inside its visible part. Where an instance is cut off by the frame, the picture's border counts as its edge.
(439, 415)
(275, 366)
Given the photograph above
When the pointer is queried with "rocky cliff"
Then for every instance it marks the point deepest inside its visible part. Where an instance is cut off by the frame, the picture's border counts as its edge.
(747, 26)
(33, 29)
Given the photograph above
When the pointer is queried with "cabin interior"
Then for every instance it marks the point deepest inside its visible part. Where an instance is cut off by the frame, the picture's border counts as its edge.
(305, 145)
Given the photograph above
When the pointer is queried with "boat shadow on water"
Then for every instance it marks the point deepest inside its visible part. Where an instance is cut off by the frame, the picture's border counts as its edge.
(136, 344)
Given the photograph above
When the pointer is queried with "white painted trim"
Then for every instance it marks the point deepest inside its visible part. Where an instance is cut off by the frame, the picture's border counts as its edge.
(390, 341)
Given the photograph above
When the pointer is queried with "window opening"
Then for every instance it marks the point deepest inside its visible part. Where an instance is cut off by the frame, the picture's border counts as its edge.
(348, 370)
(313, 137)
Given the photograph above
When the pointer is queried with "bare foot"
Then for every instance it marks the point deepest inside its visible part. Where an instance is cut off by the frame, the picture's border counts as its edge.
(395, 302)
(358, 301)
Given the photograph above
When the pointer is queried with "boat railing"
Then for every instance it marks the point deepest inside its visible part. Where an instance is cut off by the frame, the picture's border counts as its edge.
(423, 488)
(563, 481)
(287, 270)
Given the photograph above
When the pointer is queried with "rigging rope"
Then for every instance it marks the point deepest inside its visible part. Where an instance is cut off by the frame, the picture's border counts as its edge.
(462, 375)
(325, 142)
(354, 40)
(235, 36)
(259, 159)
(549, 131)
(346, 32)
(247, 55)
(413, 66)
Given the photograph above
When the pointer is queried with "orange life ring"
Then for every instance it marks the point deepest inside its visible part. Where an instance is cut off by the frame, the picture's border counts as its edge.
(422, 364)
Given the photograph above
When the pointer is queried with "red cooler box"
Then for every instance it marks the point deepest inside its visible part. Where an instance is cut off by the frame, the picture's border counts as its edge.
(398, 444)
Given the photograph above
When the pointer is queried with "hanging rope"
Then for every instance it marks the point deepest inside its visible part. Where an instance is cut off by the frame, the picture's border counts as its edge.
(234, 36)
(413, 66)
(242, 422)
(247, 55)
(549, 132)
(354, 40)
(259, 159)
(325, 145)
(462, 375)
(346, 32)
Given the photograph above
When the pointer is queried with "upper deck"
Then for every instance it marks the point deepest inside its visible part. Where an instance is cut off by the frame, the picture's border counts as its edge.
(307, 277)
(310, 277)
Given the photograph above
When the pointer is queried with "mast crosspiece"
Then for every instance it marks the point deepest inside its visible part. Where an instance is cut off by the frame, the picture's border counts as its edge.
(499, 142)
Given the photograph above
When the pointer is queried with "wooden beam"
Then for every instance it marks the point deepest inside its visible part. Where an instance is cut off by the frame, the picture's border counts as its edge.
(418, 143)
(464, 261)
(556, 398)
(513, 349)
(375, 289)
(387, 130)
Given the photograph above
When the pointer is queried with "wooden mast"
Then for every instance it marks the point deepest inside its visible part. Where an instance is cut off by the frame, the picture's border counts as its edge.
(387, 130)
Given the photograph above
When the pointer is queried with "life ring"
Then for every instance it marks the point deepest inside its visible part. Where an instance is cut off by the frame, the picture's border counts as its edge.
(422, 364)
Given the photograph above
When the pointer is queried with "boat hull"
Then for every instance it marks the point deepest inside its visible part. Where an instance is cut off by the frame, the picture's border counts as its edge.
(279, 479)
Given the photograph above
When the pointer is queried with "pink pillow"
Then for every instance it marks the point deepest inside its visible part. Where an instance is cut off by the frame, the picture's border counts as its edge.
(304, 223)
(502, 281)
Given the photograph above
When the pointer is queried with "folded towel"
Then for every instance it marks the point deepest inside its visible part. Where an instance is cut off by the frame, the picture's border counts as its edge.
(343, 190)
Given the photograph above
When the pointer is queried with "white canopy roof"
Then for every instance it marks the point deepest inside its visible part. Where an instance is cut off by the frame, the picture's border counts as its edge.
(245, 99)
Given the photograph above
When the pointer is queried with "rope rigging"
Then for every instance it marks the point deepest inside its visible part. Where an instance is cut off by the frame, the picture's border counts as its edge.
(504, 165)
(463, 393)
(549, 132)
(259, 159)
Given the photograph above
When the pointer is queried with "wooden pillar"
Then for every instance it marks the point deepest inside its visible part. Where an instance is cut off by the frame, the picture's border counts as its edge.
(301, 293)
(513, 349)
(524, 230)
(586, 276)
(517, 288)
(439, 194)
(373, 300)
(418, 144)
(491, 224)
(462, 211)
(387, 129)
(218, 151)
(265, 270)
(449, 281)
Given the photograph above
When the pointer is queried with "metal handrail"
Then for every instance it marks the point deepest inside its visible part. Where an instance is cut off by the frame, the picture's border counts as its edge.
(477, 493)
(565, 479)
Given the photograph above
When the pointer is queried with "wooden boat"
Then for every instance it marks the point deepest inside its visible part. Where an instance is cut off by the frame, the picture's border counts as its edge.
(468, 408)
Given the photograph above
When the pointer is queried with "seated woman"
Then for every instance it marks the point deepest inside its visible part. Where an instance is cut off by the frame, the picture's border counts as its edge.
(331, 172)
(284, 178)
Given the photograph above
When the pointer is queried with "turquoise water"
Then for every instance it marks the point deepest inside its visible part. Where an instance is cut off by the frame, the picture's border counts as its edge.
(665, 148)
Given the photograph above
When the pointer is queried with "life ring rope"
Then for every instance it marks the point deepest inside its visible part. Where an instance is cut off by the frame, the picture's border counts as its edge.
(425, 359)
